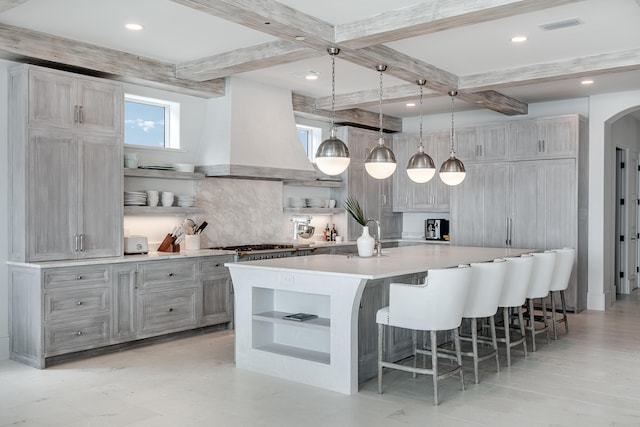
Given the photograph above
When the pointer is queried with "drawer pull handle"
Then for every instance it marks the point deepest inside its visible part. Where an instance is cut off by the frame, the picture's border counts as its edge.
(79, 303)
(170, 310)
(217, 265)
(170, 274)
(79, 333)
(79, 278)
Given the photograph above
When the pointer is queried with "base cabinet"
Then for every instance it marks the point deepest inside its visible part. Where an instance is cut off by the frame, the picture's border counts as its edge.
(57, 311)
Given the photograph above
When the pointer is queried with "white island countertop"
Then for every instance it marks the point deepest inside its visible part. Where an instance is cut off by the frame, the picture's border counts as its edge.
(393, 262)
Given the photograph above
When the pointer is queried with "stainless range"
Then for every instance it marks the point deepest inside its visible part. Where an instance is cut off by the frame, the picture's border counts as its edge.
(267, 251)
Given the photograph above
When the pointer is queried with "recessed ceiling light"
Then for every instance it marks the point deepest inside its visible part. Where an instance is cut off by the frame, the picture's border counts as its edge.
(411, 104)
(587, 82)
(300, 38)
(133, 27)
(308, 75)
(519, 39)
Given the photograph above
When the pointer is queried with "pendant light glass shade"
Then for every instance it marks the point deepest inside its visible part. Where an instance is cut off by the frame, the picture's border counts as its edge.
(421, 167)
(452, 171)
(381, 162)
(332, 156)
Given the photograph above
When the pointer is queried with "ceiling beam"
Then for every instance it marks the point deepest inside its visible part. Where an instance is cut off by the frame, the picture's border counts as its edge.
(23, 45)
(10, 4)
(367, 98)
(243, 60)
(627, 60)
(431, 17)
(305, 106)
(270, 17)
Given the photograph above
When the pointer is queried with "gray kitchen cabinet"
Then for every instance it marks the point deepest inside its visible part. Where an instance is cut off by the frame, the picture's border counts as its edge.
(217, 305)
(124, 288)
(538, 203)
(409, 196)
(544, 138)
(67, 101)
(479, 206)
(66, 166)
(375, 196)
(483, 143)
(55, 312)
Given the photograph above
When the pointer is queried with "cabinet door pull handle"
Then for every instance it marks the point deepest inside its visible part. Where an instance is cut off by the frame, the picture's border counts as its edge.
(75, 114)
(170, 310)
(79, 333)
(78, 277)
(170, 274)
(217, 265)
(80, 115)
(79, 303)
(82, 243)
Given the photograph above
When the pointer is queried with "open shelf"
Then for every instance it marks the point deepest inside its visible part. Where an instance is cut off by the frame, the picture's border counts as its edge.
(161, 210)
(277, 317)
(297, 352)
(330, 183)
(315, 211)
(166, 174)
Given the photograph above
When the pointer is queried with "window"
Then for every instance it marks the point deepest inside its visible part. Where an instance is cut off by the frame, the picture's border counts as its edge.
(151, 122)
(310, 138)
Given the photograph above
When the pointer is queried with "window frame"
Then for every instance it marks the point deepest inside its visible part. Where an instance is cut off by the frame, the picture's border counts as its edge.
(171, 121)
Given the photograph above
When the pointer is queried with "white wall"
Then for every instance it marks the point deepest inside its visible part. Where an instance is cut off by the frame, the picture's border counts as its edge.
(603, 111)
(4, 209)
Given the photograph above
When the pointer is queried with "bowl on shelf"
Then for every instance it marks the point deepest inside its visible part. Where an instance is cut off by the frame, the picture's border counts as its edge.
(184, 167)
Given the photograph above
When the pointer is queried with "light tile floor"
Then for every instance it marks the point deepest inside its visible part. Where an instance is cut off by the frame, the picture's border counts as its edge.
(590, 377)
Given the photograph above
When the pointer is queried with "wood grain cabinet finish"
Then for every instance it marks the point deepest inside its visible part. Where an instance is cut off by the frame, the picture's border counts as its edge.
(484, 143)
(61, 311)
(65, 146)
(374, 195)
(217, 305)
(409, 196)
(537, 199)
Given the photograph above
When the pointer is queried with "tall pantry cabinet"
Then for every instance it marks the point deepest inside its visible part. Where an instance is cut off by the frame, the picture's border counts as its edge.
(535, 198)
(65, 151)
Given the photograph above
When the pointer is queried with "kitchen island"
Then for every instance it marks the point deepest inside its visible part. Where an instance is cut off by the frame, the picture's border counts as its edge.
(324, 351)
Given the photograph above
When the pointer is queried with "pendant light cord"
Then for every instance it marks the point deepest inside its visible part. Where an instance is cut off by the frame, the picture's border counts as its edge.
(333, 90)
(380, 102)
(452, 94)
(421, 116)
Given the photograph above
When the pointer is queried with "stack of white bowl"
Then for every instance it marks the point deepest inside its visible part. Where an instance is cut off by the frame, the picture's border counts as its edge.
(153, 197)
(167, 198)
(315, 202)
(186, 201)
(297, 202)
(135, 198)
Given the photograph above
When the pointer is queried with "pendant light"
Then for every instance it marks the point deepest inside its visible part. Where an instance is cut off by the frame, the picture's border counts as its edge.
(452, 170)
(332, 156)
(421, 167)
(381, 162)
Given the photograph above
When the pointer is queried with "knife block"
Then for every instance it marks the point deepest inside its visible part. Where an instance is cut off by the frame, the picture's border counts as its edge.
(168, 245)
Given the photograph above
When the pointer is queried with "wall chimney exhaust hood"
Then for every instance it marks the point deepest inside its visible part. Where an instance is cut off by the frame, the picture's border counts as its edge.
(251, 133)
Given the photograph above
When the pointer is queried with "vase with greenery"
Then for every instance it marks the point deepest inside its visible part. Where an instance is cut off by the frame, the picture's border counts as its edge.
(365, 242)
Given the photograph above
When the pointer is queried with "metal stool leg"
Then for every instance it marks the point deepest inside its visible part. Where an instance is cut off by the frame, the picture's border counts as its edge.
(554, 320)
(507, 335)
(522, 331)
(456, 343)
(494, 340)
(564, 313)
(434, 365)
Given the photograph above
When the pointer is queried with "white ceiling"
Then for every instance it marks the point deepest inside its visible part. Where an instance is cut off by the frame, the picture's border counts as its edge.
(176, 33)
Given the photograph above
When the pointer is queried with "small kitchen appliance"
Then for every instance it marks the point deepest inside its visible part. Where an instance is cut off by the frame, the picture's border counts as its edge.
(136, 245)
(436, 229)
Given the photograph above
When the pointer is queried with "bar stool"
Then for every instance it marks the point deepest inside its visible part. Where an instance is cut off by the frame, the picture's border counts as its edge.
(487, 280)
(436, 305)
(513, 297)
(543, 264)
(559, 283)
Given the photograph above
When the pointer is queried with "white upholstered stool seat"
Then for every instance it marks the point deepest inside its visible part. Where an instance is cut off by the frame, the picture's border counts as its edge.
(436, 305)
(513, 297)
(541, 273)
(559, 283)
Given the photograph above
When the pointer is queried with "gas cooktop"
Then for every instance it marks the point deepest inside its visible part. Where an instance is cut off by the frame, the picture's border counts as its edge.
(259, 247)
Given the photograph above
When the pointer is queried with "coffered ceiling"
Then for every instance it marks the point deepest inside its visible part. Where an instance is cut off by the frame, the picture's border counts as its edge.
(190, 46)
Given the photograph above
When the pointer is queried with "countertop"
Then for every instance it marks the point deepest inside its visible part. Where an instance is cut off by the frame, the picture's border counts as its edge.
(393, 262)
(151, 256)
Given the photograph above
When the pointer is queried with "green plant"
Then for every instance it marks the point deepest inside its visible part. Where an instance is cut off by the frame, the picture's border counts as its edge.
(355, 210)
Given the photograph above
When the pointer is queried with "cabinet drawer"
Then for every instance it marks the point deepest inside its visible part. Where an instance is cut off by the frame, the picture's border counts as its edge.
(214, 265)
(161, 312)
(76, 303)
(154, 274)
(75, 276)
(65, 337)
